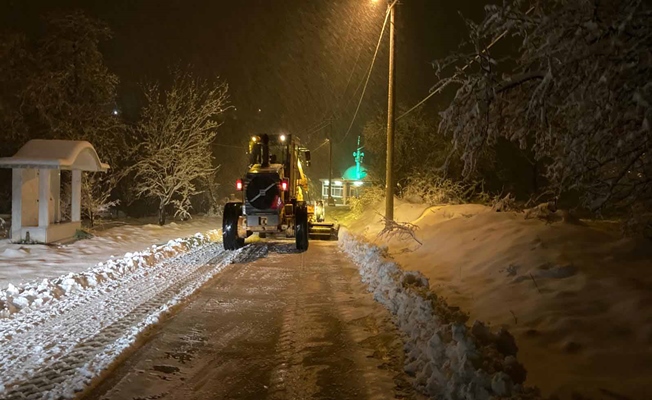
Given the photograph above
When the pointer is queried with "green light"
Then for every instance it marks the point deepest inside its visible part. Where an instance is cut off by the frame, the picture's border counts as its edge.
(355, 174)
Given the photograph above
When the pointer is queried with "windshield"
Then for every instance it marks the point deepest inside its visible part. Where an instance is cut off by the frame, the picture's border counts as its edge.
(278, 154)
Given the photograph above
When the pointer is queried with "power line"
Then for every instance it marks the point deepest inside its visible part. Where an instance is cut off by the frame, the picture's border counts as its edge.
(338, 105)
(320, 146)
(355, 92)
(348, 82)
(229, 145)
(342, 64)
(315, 126)
(436, 90)
(371, 67)
(323, 125)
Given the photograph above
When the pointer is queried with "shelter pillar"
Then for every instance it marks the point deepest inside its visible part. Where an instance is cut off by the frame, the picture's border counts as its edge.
(345, 192)
(76, 195)
(44, 197)
(55, 187)
(16, 202)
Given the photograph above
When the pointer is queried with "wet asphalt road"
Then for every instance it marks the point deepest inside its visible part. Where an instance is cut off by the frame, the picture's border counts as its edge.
(274, 325)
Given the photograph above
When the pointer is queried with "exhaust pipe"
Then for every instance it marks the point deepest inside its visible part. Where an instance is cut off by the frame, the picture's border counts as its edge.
(265, 142)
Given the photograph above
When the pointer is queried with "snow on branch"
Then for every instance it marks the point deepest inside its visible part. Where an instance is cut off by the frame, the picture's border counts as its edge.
(177, 129)
(399, 230)
(574, 88)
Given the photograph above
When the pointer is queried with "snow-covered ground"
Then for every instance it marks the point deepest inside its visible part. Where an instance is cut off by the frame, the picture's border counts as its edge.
(59, 334)
(448, 360)
(22, 263)
(574, 295)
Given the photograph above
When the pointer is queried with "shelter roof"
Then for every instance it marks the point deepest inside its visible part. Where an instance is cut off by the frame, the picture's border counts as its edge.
(56, 154)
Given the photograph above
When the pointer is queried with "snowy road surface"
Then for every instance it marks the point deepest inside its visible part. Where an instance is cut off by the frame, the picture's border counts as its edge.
(55, 350)
(274, 325)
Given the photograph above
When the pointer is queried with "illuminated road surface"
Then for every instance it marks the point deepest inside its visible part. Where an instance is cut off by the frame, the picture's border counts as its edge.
(274, 325)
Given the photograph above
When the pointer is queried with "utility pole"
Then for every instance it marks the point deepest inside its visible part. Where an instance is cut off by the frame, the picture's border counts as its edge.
(389, 179)
(330, 200)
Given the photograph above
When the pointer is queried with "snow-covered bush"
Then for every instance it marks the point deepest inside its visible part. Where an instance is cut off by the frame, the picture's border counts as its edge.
(216, 210)
(96, 195)
(502, 203)
(209, 201)
(574, 88)
(431, 188)
(369, 196)
(4, 229)
(639, 223)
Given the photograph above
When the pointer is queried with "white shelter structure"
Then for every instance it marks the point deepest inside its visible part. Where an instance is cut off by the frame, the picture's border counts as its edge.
(36, 187)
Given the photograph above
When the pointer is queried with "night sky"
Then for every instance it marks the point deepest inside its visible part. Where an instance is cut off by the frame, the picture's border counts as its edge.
(296, 61)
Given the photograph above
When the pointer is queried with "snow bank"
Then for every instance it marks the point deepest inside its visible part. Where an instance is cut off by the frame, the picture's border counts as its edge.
(33, 295)
(576, 296)
(57, 336)
(447, 359)
(20, 263)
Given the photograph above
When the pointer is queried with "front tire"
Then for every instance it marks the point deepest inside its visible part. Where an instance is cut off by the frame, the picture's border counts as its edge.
(231, 216)
(301, 227)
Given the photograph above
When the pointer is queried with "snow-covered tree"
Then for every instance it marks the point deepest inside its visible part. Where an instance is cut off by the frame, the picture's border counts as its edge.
(176, 130)
(15, 63)
(572, 83)
(70, 90)
(416, 145)
(58, 87)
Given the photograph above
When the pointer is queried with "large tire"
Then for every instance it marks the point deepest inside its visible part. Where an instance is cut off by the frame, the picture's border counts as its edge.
(230, 239)
(301, 226)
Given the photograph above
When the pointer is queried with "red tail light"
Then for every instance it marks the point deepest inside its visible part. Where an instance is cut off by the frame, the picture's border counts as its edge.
(285, 185)
(238, 185)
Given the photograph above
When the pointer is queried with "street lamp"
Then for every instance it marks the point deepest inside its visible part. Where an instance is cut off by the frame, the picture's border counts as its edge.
(330, 201)
(391, 95)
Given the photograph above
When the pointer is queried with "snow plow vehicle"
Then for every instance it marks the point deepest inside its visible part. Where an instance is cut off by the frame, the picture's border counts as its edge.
(275, 196)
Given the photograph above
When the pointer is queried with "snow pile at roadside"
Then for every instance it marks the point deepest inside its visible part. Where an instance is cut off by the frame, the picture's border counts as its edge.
(35, 294)
(20, 263)
(575, 295)
(448, 360)
(56, 348)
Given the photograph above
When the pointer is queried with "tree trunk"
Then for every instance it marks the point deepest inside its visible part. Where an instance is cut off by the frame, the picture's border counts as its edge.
(161, 213)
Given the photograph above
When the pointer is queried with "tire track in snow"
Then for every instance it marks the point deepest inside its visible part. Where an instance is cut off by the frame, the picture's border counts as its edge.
(75, 308)
(57, 350)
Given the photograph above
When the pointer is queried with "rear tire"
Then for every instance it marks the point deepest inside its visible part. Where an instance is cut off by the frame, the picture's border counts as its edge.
(230, 239)
(301, 227)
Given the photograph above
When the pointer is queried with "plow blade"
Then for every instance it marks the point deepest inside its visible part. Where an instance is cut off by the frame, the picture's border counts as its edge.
(323, 231)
